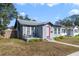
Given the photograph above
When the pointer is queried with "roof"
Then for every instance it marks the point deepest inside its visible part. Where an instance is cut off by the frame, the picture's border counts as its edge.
(34, 23)
(56, 26)
(28, 22)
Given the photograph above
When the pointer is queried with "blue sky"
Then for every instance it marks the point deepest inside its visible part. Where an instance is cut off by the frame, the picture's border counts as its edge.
(44, 12)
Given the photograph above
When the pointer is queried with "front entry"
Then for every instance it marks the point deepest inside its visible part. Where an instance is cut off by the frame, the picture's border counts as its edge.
(48, 32)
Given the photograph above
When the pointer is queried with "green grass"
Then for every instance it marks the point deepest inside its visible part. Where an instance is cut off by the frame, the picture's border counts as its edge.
(16, 47)
(69, 39)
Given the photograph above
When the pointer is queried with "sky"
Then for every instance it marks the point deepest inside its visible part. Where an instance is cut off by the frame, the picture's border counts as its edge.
(45, 12)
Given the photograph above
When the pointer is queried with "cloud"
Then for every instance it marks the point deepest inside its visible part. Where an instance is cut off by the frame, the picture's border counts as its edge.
(74, 11)
(48, 4)
(22, 13)
(57, 17)
(42, 3)
(22, 4)
(52, 4)
(35, 4)
(76, 4)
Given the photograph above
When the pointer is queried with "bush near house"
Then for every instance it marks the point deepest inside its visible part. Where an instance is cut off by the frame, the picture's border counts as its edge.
(77, 37)
(69, 39)
(60, 37)
(35, 40)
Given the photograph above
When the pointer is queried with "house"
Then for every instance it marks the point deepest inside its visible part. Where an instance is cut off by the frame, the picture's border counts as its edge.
(46, 30)
(66, 31)
(72, 31)
(33, 29)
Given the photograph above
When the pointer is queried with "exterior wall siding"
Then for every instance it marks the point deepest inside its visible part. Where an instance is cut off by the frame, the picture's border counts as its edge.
(39, 31)
(63, 33)
(19, 30)
(75, 31)
(58, 34)
(25, 33)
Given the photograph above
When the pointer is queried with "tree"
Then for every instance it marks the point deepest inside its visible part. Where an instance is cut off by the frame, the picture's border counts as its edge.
(68, 23)
(21, 17)
(65, 22)
(59, 22)
(7, 13)
(24, 17)
(76, 22)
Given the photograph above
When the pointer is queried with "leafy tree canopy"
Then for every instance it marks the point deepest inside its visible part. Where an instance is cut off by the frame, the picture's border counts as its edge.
(7, 13)
(24, 17)
(69, 21)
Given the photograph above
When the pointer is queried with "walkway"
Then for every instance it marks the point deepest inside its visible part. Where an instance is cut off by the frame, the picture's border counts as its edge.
(65, 43)
(74, 54)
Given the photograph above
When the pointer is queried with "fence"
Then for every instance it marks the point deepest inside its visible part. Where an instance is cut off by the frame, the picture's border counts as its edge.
(10, 33)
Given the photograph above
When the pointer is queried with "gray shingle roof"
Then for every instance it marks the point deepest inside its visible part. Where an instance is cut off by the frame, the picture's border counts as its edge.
(30, 22)
(34, 23)
(24, 22)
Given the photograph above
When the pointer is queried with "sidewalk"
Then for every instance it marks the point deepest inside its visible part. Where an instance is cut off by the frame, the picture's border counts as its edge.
(65, 43)
(74, 54)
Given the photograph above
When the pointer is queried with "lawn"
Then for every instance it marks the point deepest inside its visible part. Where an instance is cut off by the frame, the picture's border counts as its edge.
(16, 47)
(71, 40)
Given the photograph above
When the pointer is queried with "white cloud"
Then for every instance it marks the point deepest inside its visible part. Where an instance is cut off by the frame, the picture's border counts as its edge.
(57, 17)
(76, 4)
(52, 4)
(48, 4)
(42, 3)
(22, 4)
(22, 13)
(74, 11)
(35, 4)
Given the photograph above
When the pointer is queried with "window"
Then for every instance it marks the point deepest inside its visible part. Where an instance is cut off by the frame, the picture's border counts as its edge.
(63, 30)
(51, 31)
(33, 30)
(28, 30)
(55, 30)
(58, 30)
(76, 30)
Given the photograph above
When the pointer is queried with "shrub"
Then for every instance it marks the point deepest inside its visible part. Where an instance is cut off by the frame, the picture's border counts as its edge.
(60, 37)
(56, 38)
(35, 40)
(77, 35)
(2, 32)
(40, 39)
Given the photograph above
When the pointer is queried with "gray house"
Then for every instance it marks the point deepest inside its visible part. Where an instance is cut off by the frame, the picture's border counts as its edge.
(45, 30)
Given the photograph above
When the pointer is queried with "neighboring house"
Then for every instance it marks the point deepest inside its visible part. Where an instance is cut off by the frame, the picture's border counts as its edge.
(46, 30)
(72, 31)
